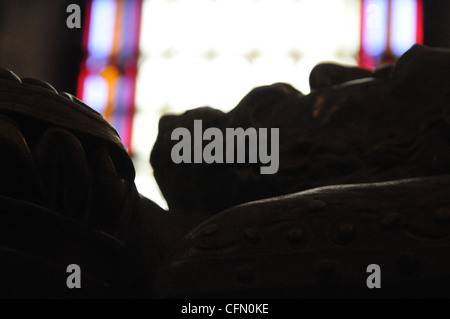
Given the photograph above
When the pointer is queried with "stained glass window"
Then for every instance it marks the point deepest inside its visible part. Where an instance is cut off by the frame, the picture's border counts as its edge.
(388, 29)
(108, 77)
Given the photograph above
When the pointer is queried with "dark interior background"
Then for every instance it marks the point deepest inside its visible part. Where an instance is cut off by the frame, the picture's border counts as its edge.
(35, 41)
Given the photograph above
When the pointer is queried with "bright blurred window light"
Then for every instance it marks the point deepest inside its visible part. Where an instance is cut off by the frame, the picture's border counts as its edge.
(146, 58)
(388, 29)
(108, 73)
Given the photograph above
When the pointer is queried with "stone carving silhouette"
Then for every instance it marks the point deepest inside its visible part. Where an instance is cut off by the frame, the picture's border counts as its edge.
(363, 179)
(355, 126)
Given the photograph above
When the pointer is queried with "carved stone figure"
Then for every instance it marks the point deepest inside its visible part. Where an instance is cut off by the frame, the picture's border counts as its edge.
(356, 126)
(363, 180)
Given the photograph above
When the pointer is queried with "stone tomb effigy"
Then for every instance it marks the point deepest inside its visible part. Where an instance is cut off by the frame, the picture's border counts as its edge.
(362, 179)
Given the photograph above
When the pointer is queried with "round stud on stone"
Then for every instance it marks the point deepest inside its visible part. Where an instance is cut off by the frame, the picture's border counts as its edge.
(295, 236)
(210, 229)
(252, 235)
(9, 75)
(39, 83)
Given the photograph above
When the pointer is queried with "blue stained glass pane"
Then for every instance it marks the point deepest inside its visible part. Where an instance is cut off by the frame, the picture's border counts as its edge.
(101, 32)
(376, 22)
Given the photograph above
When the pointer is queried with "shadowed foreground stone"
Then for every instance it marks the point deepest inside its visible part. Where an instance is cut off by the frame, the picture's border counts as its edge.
(288, 247)
(67, 194)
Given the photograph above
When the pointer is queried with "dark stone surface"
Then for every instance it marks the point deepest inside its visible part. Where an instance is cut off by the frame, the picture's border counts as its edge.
(318, 244)
(67, 196)
(355, 126)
